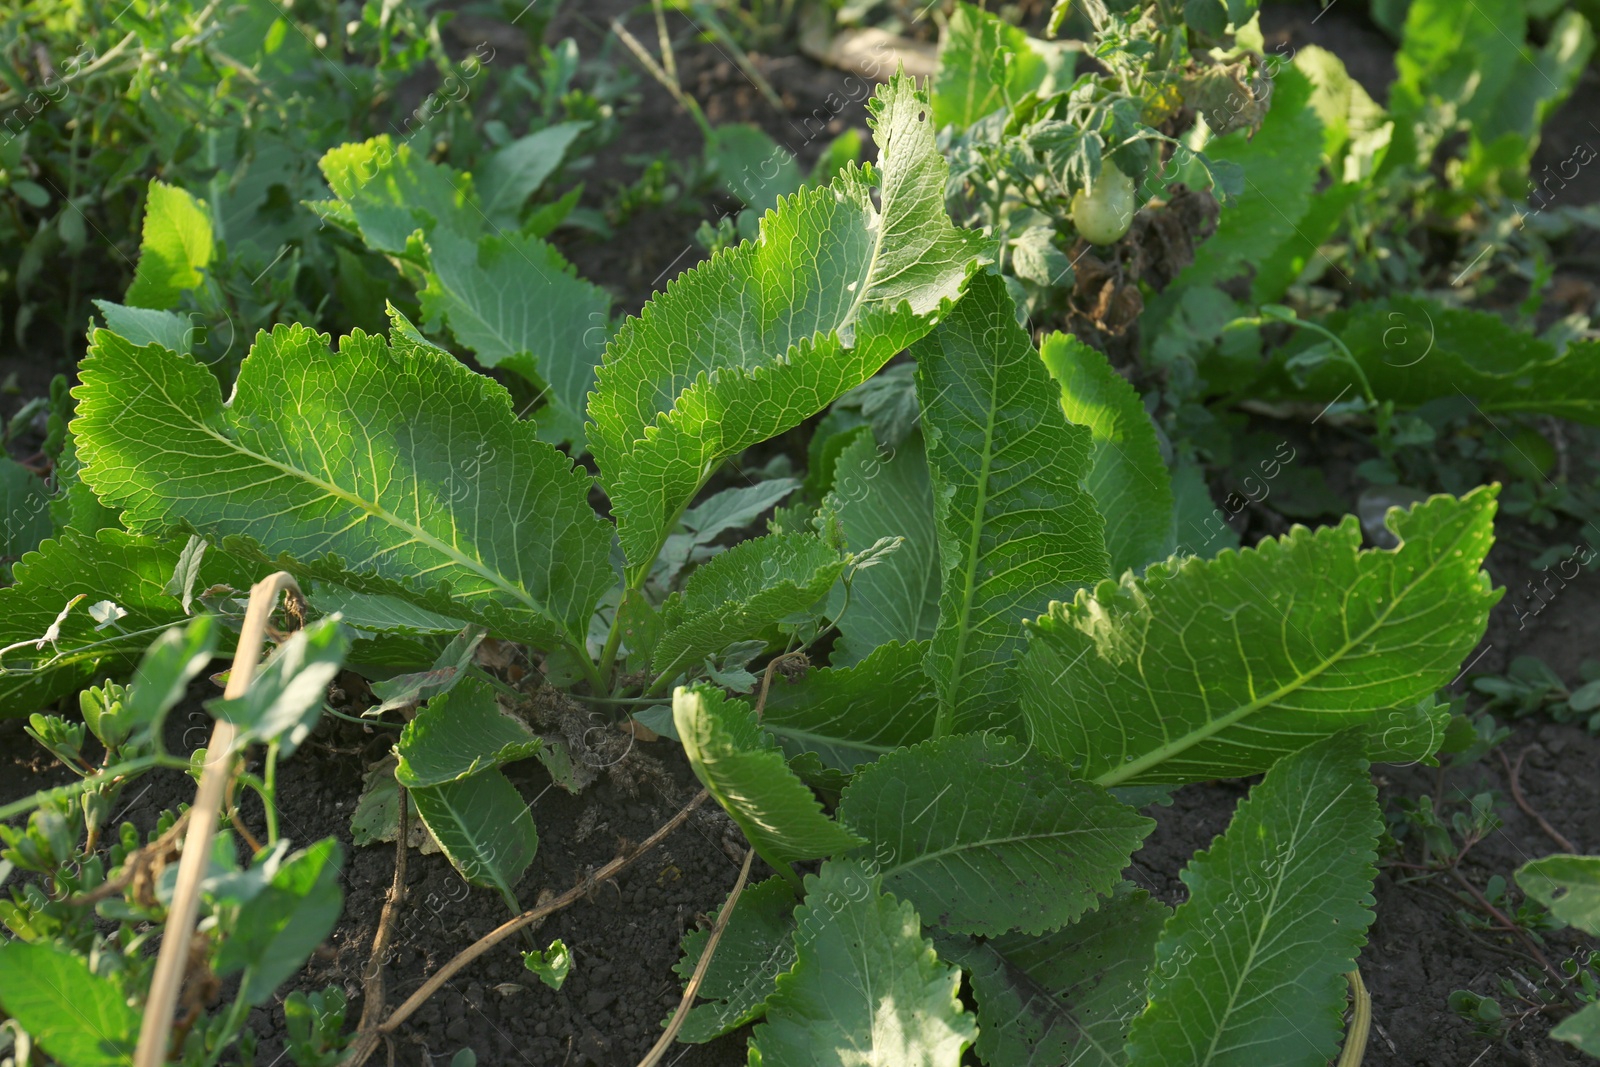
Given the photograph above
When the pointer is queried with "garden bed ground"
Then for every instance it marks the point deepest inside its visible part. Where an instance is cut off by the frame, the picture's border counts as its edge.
(625, 937)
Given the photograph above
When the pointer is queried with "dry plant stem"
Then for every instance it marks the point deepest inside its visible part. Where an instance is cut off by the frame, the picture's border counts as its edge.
(170, 965)
(766, 678)
(668, 83)
(1355, 1042)
(1514, 773)
(372, 984)
(664, 1042)
(130, 867)
(233, 817)
(1516, 931)
(668, 59)
(367, 1041)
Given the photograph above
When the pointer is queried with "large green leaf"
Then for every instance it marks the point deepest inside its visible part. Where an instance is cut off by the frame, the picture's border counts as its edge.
(1415, 350)
(176, 247)
(460, 733)
(852, 715)
(1541, 80)
(80, 1018)
(866, 989)
(278, 928)
(757, 946)
(742, 592)
(1216, 668)
(876, 496)
(514, 172)
(509, 297)
(1064, 998)
(24, 510)
(744, 770)
(1581, 1029)
(387, 192)
(985, 835)
(767, 334)
(1017, 530)
(1463, 51)
(1129, 480)
(391, 469)
(50, 645)
(1250, 968)
(985, 63)
(484, 826)
(516, 303)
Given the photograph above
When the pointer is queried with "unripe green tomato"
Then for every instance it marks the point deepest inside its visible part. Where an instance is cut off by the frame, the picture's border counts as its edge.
(1103, 212)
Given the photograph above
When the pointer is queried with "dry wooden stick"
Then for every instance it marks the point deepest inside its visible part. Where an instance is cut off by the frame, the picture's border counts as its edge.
(1514, 773)
(664, 1042)
(372, 982)
(367, 1040)
(171, 963)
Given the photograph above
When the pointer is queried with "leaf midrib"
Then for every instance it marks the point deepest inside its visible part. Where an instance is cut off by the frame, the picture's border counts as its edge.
(947, 705)
(988, 842)
(1268, 915)
(374, 510)
(1164, 752)
(482, 848)
(827, 739)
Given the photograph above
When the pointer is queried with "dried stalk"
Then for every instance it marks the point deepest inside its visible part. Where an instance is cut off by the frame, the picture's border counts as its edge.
(1514, 773)
(372, 983)
(156, 1032)
(664, 1042)
(367, 1040)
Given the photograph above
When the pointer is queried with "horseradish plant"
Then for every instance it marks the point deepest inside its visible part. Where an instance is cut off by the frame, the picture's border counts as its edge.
(1017, 663)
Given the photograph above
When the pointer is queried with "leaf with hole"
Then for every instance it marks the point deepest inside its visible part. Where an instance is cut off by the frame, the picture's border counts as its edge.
(1217, 668)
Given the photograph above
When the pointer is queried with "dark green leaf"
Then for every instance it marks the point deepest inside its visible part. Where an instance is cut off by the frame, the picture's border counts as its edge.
(866, 988)
(757, 946)
(985, 835)
(1016, 528)
(746, 773)
(1251, 967)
